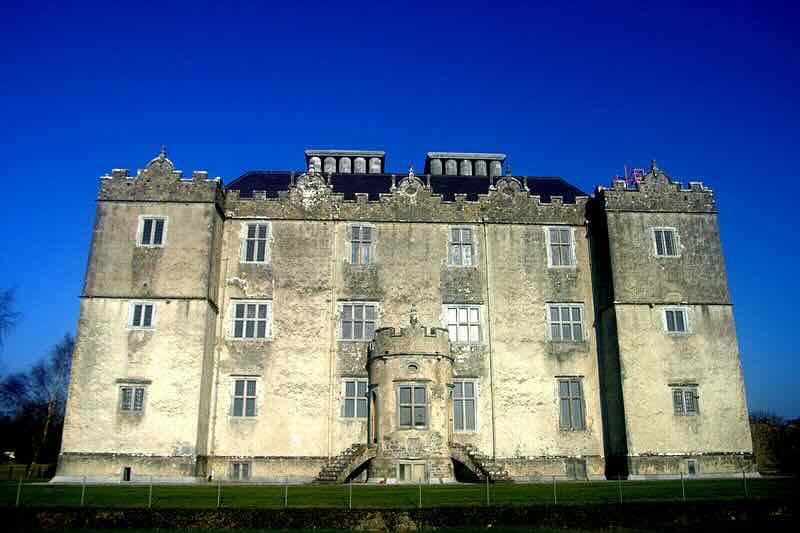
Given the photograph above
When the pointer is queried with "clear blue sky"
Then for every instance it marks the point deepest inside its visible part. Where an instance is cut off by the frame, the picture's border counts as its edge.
(563, 88)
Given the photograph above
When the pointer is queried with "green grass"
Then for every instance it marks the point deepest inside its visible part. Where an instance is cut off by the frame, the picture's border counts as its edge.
(394, 496)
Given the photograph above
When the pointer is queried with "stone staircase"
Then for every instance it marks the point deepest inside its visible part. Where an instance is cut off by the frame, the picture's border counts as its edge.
(483, 465)
(343, 464)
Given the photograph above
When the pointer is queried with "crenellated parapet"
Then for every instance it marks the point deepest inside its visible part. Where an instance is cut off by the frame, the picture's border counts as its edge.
(159, 181)
(413, 339)
(657, 192)
(311, 196)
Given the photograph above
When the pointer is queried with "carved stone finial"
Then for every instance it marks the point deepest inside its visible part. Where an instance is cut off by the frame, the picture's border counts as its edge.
(653, 167)
(162, 155)
(411, 171)
(311, 168)
(413, 319)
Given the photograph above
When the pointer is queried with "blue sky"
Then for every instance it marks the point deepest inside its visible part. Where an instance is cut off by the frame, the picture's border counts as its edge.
(568, 89)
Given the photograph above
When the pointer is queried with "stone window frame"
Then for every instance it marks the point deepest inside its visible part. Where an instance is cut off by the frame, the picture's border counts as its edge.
(340, 316)
(687, 322)
(243, 238)
(427, 405)
(572, 251)
(356, 398)
(136, 387)
(480, 324)
(572, 378)
(692, 464)
(689, 403)
(572, 306)
(348, 244)
(234, 378)
(140, 231)
(132, 312)
(461, 243)
(237, 476)
(232, 321)
(676, 242)
(476, 395)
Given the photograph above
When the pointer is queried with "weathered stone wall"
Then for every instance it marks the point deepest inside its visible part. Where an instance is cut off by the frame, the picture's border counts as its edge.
(650, 359)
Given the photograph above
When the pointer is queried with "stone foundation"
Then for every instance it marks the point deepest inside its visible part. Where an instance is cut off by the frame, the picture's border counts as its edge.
(534, 469)
(387, 469)
(705, 465)
(110, 468)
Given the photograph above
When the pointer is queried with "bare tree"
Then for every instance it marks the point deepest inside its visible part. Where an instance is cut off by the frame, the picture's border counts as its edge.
(40, 394)
(8, 316)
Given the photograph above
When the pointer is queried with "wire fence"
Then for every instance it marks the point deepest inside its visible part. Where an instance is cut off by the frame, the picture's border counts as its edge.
(143, 494)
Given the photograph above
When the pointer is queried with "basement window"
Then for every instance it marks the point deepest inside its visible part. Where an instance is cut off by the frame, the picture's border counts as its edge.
(240, 471)
(152, 231)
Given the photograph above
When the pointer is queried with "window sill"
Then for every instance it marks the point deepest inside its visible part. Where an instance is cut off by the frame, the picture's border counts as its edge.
(150, 246)
(139, 328)
(361, 419)
(265, 263)
(405, 428)
(243, 339)
(568, 430)
(462, 266)
(678, 333)
(563, 267)
(568, 343)
(465, 431)
(354, 340)
(234, 418)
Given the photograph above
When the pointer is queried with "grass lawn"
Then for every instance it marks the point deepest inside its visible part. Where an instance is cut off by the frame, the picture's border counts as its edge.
(393, 496)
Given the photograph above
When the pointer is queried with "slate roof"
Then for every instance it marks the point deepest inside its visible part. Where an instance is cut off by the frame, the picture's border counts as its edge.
(272, 182)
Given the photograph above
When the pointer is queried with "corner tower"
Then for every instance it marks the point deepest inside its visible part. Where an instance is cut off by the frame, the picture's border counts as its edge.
(141, 372)
(673, 394)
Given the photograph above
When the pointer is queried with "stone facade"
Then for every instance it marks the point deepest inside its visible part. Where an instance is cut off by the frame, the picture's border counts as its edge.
(261, 333)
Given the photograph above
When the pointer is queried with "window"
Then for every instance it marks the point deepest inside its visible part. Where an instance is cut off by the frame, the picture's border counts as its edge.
(684, 399)
(676, 320)
(566, 322)
(240, 471)
(666, 242)
(691, 467)
(251, 320)
(131, 399)
(413, 406)
(560, 250)
(244, 397)
(360, 244)
(354, 398)
(254, 249)
(152, 231)
(460, 247)
(358, 321)
(141, 315)
(464, 405)
(570, 399)
(464, 323)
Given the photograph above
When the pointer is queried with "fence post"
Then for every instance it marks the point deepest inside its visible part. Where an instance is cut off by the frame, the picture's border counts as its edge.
(420, 494)
(619, 486)
(488, 501)
(683, 488)
(555, 496)
(286, 492)
(350, 494)
(83, 491)
(19, 490)
(744, 479)
(219, 494)
(150, 495)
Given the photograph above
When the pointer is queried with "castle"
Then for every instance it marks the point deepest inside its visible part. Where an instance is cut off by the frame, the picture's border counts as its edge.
(343, 322)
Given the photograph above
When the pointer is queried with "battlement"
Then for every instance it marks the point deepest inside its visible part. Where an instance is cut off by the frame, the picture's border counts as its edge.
(413, 339)
(657, 192)
(160, 181)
